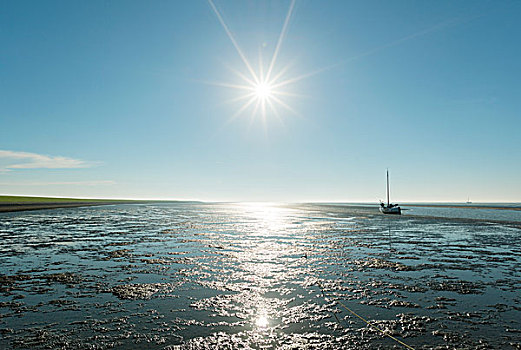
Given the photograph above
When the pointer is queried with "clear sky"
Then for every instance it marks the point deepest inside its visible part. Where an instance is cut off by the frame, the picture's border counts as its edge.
(140, 99)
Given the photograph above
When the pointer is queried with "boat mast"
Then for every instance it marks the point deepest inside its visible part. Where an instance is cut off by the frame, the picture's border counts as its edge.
(387, 187)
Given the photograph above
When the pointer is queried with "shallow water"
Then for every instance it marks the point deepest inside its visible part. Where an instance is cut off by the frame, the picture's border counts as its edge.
(192, 275)
(501, 213)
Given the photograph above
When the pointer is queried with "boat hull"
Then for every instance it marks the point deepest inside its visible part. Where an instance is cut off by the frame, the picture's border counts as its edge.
(393, 210)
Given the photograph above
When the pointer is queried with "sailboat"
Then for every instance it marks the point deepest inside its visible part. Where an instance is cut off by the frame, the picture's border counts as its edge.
(389, 208)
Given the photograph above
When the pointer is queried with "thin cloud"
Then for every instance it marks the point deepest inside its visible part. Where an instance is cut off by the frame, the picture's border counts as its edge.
(66, 183)
(25, 160)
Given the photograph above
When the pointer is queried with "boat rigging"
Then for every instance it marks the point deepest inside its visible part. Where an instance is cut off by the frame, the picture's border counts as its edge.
(389, 208)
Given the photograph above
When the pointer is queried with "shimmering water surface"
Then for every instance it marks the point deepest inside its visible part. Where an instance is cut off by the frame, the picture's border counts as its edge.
(192, 275)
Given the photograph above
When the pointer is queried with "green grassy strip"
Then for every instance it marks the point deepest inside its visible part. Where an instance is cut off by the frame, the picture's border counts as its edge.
(27, 200)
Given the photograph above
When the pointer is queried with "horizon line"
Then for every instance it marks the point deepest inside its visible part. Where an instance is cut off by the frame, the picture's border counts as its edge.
(256, 201)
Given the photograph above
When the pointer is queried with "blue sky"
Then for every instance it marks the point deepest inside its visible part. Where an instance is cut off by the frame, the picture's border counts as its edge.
(125, 99)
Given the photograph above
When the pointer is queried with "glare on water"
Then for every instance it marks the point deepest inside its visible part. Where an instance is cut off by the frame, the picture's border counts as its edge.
(262, 321)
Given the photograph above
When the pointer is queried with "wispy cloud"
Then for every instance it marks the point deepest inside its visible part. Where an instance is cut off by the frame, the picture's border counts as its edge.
(24, 160)
(66, 183)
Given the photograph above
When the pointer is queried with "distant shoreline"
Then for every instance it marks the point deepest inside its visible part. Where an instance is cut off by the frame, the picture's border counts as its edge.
(463, 206)
(13, 207)
(21, 203)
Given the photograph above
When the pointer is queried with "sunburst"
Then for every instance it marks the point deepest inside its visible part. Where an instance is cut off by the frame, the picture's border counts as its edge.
(263, 91)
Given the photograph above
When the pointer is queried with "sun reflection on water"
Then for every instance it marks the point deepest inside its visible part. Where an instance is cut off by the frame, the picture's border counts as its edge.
(262, 260)
(262, 321)
(267, 218)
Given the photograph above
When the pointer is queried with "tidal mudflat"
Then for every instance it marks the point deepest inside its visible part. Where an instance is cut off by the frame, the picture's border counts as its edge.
(195, 276)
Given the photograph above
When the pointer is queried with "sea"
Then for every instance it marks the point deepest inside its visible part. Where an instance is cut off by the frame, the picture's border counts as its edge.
(191, 275)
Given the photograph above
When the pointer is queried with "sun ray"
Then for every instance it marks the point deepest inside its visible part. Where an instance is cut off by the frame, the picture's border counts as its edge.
(281, 38)
(280, 102)
(287, 93)
(275, 112)
(230, 35)
(228, 85)
(243, 108)
(263, 110)
(242, 76)
(261, 67)
(241, 97)
(280, 74)
(303, 76)
(255, 111)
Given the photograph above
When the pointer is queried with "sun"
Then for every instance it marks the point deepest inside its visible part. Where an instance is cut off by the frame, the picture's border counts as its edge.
(262, 91)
